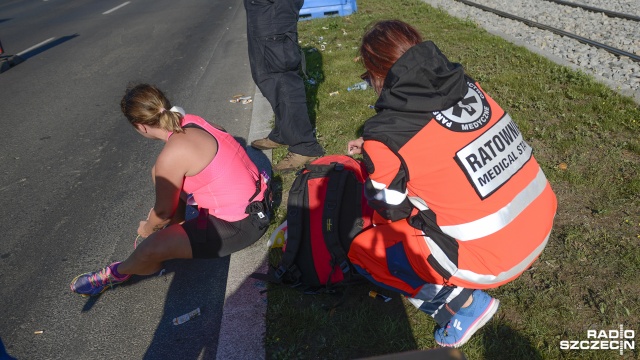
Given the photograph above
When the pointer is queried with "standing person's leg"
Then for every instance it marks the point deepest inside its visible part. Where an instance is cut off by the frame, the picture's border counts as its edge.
(260, 15)
(295, 126)
(275, 58)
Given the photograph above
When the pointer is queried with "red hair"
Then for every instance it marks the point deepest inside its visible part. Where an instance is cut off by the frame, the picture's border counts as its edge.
(382, 45)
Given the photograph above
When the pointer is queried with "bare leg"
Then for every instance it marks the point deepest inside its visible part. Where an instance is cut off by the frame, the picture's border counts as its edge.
(166, 244)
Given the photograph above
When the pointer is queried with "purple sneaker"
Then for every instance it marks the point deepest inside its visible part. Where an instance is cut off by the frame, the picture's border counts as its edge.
(95, 283)
(467, 320)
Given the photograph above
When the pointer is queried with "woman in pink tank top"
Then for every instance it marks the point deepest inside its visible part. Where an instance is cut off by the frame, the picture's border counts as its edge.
(198, 159)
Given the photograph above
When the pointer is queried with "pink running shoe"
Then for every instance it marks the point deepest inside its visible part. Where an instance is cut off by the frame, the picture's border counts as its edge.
(95, 283)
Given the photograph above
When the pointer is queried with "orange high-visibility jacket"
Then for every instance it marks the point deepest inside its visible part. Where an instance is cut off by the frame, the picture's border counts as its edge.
(449, 150)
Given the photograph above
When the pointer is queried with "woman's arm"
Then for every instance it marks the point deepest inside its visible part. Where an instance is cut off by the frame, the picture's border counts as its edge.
(178, 216)
(168, 177)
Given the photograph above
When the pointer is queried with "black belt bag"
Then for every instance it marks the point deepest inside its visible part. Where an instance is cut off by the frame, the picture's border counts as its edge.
(259, 214)
(260, 211)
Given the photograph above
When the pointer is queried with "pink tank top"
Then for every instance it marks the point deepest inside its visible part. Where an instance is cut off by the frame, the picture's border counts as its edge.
(228, 182)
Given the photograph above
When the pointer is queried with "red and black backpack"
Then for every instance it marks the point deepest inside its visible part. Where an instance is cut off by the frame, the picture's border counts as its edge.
(326, 209)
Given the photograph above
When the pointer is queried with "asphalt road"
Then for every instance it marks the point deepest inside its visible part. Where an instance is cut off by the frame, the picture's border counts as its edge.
(75, 177)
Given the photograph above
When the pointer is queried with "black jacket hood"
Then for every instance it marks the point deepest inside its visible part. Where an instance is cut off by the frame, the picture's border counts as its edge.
(422, 80)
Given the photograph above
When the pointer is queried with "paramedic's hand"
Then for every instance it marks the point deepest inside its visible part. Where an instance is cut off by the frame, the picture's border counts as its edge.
(355, 146)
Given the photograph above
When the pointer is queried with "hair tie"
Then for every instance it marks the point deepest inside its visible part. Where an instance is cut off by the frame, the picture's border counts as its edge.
(162, 110)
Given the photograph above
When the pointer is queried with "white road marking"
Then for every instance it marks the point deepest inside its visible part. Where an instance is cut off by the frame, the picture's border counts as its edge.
(116, 8)
(36, 46)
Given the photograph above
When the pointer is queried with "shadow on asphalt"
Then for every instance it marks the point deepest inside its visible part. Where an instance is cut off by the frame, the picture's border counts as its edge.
(195, 284)
(40, 49)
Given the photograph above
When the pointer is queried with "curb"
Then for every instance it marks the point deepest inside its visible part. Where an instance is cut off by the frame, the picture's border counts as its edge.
(243, 325)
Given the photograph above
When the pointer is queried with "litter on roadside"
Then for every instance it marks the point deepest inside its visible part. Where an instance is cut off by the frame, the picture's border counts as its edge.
(241, 99)
(38, 332)
(279, 236)
(186, 317)
(358, 86)
(375, 295)
(334, 93)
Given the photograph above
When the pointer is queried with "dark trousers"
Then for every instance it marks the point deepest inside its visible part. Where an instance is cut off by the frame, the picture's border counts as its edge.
(274, 56)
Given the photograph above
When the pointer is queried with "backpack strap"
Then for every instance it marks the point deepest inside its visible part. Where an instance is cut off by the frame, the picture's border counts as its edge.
(295, 213)
(330, 219)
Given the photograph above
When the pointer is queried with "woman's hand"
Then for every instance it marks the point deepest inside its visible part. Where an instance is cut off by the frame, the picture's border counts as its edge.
(142, 229)
(355, 146)
(145, 229)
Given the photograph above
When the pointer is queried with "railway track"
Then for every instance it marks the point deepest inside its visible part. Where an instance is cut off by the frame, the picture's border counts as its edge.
(554, 30)
(600, 37)
(597, 10)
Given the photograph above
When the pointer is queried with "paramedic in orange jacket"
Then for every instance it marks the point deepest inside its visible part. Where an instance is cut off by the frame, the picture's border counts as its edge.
(462, 204)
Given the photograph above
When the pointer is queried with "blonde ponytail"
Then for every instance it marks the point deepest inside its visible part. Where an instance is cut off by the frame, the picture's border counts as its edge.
(171, 121)
(147, 105)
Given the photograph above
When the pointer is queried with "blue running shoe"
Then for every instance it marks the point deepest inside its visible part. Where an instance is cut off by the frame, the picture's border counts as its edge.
(95, 283)
(467, 320)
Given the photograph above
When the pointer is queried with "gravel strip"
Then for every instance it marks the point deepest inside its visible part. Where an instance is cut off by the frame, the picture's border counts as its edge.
(618, 72)
(631, 7)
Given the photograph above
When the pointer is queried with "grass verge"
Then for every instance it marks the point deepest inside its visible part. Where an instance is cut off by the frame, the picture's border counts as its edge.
(585, 137)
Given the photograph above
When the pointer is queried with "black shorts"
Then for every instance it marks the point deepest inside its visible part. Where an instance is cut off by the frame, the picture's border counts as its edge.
(211, 237)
